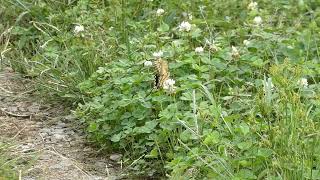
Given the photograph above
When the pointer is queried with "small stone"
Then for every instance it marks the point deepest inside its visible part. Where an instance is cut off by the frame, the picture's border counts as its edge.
(34, 108)
(46, 130)
(100, 164)
(115, 157)
(70, 117)
(12, 109)
(58, 137)
(58, 131)
(70, 132)
(61, 124)
(29, 147)
(39, 124)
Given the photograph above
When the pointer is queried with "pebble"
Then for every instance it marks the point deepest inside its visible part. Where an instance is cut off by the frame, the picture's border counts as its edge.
(115, 157)
(58, 131)
(29, 147)
(58, 137)
(46, 130)
(61, 125)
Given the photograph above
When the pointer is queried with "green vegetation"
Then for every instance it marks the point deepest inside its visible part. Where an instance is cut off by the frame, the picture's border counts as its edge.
(13, 163)
(6, 163)
(246, 94)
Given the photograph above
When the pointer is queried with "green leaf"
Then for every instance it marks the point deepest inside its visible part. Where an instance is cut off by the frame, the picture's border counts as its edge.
(245, 174)
(196, 33)
(147, 128)
(264, 152)
(244, 128)
(186, 135)
(315, 174)
(259, 63)
(163, 27)
(212, 138)
(93, 127)
(153, 153)
(151, 124)
(244, 145)
(116, 137)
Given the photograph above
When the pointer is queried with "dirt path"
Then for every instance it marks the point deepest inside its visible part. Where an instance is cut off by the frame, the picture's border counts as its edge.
(39, 131)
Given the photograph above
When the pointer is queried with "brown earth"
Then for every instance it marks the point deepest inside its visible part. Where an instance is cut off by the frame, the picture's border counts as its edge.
(47, 138)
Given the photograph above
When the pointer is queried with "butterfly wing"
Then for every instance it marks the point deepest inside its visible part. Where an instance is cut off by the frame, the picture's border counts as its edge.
(162, 73)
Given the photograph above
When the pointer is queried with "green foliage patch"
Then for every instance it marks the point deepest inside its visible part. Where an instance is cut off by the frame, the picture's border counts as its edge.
(246, 94)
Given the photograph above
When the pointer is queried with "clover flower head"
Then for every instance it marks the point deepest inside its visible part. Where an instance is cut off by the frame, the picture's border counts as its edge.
(147, 63)
(303, 82)
(235, 53)
(168, 85)
(246, 42)
(78, 28)
(227, 18)
(185, 26)
(158, 54)
(257, 20)
(253, 6)
(199, 49)
(160, 12)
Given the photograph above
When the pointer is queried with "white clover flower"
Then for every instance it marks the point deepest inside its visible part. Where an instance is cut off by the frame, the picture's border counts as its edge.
(246, 42)
(257, 20)
(235, 53)
(158, 54)
(169, 82)
(253, 6)
(168, 85)
(78, 29)
(100, 70)
(227, 18)
(199, 49)
(160, 12)
(185, 26)
(303, 82)
(147, 63)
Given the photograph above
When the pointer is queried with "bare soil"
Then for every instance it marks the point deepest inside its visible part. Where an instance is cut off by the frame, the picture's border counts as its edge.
(56, 148)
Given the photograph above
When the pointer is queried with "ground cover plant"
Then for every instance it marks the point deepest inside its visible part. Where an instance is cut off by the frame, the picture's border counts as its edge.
(239, 99)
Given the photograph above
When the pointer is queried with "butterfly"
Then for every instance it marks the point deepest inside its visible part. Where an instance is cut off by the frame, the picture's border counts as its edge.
(162, 72)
